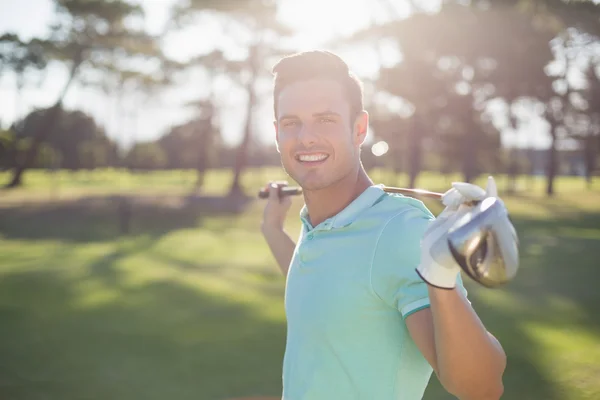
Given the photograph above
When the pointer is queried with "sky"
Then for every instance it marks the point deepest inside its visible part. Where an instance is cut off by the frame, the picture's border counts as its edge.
(316, 21)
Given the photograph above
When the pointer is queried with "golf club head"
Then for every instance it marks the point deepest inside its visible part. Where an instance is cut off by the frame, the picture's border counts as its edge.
(484, 243)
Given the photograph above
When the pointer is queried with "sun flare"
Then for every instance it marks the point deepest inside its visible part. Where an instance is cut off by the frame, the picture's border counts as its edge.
(317, 21)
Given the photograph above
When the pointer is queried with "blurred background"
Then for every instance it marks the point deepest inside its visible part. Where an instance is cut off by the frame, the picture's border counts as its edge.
(134, 137)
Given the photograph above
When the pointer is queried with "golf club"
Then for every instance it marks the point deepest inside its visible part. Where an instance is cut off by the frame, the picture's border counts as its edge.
(295, 190)
(483, 242)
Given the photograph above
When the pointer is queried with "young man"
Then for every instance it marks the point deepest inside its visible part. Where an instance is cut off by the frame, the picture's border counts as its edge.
(369, 314)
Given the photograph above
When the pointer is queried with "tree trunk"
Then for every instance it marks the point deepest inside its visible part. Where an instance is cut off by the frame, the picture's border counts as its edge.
(590, 149)
(551, 167)
(19, 99)
(531, 171)
(415, 150)
(242, 152)
(397, 156)
(512, 171)
(235, 189)
(204, 154)
(206, 132)
(470, 149)
(44, 129)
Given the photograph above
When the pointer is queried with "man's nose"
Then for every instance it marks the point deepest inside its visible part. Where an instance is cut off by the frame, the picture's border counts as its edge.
(307, 136)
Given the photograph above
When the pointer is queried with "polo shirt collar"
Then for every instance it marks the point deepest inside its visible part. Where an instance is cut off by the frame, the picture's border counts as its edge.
(349, 214)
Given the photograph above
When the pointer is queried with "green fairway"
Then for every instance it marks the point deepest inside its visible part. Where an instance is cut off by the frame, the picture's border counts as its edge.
(189, 304)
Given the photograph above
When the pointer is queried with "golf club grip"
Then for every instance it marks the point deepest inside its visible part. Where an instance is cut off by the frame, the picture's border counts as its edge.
(284, 191)
(294, 190)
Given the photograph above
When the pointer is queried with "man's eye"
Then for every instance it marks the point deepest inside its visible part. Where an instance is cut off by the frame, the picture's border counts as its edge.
(290, 123)
(325, 120)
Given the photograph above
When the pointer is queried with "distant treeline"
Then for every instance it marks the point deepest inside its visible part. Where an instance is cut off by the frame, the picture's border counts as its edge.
(81, 143)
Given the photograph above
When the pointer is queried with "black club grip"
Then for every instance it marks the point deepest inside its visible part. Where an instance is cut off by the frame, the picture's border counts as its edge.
(283, 191)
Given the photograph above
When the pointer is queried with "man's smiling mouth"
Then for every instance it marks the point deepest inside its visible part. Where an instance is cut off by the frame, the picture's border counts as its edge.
(311, 157)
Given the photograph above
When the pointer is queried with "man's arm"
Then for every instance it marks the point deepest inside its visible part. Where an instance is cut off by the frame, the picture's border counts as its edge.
(468, 361)
(281, 245)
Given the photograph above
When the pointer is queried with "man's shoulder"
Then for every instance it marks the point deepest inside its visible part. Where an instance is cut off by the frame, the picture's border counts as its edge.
(398, 243)
(397, 209)
(402, 221)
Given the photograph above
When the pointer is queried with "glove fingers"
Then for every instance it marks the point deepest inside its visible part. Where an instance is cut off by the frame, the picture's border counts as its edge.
(491, 188)
(446, 219)
(452, 198)
(470, 191)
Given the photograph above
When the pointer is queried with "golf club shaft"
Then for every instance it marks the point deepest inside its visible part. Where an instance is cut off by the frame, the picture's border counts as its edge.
(413, 192)
(295, 190)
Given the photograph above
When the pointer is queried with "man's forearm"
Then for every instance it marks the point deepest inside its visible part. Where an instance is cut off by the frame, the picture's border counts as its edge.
(470, 361)
(281, 245)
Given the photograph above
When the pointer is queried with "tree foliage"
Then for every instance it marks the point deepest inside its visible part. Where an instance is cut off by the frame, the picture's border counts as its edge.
(74, 130)
(91, 36)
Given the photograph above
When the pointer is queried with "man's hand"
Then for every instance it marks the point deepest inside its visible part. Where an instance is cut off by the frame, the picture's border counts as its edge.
(458, 201)
(276, 208)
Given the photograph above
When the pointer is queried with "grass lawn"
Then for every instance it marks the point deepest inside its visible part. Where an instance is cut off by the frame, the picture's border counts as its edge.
(189, 305)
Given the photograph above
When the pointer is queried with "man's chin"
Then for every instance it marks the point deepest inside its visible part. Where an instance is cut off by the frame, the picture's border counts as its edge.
(314, 184)
(312, 187)
(312, 180)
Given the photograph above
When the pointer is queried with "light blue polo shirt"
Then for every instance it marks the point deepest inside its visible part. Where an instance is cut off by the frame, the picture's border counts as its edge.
(351, 283)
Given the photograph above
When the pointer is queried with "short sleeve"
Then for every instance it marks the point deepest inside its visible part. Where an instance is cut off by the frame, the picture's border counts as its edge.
(396, 256)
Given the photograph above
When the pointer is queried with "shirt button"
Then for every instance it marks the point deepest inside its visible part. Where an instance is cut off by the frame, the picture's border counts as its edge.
(310, 236)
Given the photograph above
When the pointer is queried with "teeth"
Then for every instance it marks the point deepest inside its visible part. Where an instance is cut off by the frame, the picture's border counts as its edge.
(312, 157)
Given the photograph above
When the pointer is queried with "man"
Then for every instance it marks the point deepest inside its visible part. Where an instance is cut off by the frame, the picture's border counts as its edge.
(369, 314)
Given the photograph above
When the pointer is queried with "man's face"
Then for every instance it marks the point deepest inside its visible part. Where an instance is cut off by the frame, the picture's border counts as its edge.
(317, 137)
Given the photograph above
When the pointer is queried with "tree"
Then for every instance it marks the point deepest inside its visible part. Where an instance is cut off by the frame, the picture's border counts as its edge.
(558, 97)
(195, 144)
(72, 129)
(259, 33)
(587, 131)
(146, 156)
(205, 135)
(93, 154)
(204, 125)
(423, 85)
(21, 57)
(7, 148)
(120, 84)
(46, 157)
(85, 35)
(575, 24)
(451, 75)
(497, 50)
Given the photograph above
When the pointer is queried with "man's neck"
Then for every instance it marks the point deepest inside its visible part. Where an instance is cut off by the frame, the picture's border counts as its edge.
(325, 203)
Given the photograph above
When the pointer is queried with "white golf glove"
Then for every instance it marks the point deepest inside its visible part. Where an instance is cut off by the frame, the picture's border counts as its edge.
(457, 201)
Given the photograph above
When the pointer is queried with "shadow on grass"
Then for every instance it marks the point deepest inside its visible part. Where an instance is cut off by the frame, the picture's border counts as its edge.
(268, 279)
(559, 259)
(101, 218)
(104, 268)
(154, 341)
(62, 340)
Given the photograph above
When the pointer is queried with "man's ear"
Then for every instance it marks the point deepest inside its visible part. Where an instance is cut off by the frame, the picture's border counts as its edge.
(361, 127)
(276, 135)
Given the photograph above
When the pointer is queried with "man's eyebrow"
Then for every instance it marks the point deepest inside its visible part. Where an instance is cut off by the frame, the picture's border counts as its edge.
(288, 116)
(327, 113)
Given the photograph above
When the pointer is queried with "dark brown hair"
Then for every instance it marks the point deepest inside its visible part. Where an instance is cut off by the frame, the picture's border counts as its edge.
(318, 64)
